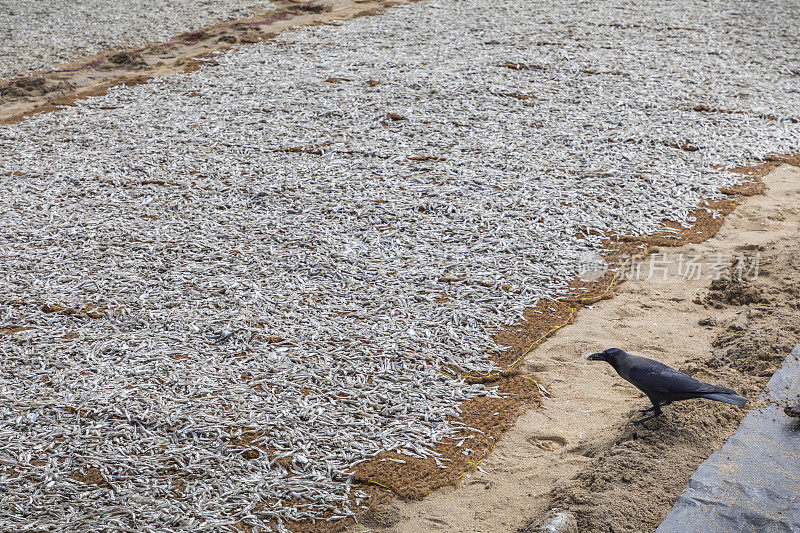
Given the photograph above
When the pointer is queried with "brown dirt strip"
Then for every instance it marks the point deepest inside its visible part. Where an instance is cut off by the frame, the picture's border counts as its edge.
(47, 91)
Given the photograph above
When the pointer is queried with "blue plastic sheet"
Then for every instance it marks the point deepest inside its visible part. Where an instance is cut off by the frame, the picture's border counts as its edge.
(753, 483)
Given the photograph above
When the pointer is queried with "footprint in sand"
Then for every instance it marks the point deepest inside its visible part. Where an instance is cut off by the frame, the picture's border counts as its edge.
(548, 443)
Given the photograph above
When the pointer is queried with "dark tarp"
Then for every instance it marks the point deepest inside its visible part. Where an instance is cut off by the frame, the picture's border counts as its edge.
(753, 483)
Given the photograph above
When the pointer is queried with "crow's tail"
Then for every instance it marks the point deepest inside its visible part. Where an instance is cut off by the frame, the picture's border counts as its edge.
(727, 397)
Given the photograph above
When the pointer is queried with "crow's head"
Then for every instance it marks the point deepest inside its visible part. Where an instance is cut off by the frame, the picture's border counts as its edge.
(609, 356)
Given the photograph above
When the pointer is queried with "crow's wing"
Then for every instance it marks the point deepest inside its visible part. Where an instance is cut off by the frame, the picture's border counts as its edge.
(664, 379)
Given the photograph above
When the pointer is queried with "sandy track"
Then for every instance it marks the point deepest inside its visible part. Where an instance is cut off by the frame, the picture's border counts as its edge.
(40, 34)
(46, 91)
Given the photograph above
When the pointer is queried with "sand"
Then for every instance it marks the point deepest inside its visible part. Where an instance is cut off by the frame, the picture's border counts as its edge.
(589, 459)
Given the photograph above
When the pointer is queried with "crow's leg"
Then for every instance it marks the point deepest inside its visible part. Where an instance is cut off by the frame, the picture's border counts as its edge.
(656, 405)
(641, 421)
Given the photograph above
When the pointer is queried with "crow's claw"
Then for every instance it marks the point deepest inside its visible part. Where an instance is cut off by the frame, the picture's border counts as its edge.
(641, 421)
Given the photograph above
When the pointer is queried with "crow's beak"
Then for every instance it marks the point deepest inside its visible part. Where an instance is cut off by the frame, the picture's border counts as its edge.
(599, 356)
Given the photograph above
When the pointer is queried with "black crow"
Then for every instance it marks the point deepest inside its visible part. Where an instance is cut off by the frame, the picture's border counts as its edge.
(662, 384)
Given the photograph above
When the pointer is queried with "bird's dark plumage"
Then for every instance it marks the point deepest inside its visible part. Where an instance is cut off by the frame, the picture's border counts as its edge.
(662, 384)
